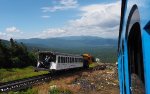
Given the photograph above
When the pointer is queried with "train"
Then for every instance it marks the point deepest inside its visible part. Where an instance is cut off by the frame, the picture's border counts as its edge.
(134, 47)
(55, 61)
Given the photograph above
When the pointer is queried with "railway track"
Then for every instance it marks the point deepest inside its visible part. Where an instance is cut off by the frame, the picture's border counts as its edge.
(29, 82)
(23, 83)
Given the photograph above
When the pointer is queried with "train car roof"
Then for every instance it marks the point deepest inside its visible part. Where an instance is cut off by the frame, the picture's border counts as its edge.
(58, 53)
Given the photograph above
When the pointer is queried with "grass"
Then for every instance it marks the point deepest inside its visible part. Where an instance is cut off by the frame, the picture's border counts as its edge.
(18, 73)
(59, 91)
(35, 91)
(28, 91)
(93, 65)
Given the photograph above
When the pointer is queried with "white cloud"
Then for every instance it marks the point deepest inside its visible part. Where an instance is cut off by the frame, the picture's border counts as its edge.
(62, 5)
(12, 29)
(98, 20)
(51, 33)
(45, 16)
(104, 15)
(12, 32)
(95, 20)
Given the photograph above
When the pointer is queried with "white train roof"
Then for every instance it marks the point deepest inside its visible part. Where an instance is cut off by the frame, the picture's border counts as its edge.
(58, 53)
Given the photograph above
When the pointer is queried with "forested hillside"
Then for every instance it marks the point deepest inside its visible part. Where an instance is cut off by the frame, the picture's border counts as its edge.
(13, 54)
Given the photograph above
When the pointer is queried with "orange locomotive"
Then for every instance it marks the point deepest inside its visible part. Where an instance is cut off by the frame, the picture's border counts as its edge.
(87, 60)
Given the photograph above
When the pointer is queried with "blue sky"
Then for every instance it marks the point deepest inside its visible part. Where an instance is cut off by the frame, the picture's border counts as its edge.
(57, 18)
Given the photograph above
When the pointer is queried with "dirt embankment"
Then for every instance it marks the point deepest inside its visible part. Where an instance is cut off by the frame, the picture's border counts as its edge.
(101, 81)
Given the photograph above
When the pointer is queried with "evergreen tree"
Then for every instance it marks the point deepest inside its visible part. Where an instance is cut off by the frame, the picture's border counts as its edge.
(4, 55)
(15, 55)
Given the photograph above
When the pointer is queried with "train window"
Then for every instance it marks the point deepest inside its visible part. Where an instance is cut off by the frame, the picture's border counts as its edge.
(62, 60)
(59, 59)
(54, 58)
(66, 59)
(72, 60)
(75, 59)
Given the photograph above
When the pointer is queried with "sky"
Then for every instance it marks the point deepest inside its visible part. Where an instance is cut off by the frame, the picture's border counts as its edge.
(23, 19)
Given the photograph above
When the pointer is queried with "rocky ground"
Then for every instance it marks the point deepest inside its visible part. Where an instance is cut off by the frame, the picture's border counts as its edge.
(102, 80)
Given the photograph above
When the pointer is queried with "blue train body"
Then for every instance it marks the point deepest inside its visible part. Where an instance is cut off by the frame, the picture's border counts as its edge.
(134, 47)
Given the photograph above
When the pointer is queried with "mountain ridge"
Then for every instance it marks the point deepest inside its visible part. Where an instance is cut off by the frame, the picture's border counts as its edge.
(71, 41)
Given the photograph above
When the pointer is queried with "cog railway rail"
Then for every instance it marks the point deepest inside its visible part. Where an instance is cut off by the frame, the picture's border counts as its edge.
(23, 83)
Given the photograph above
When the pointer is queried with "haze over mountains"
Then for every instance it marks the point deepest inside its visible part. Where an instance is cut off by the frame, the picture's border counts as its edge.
(69, 42)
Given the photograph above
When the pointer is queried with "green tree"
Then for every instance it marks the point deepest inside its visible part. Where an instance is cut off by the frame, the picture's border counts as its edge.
(4, 55)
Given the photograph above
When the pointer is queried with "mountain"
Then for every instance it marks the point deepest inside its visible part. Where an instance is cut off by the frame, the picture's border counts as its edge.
(69, 42)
